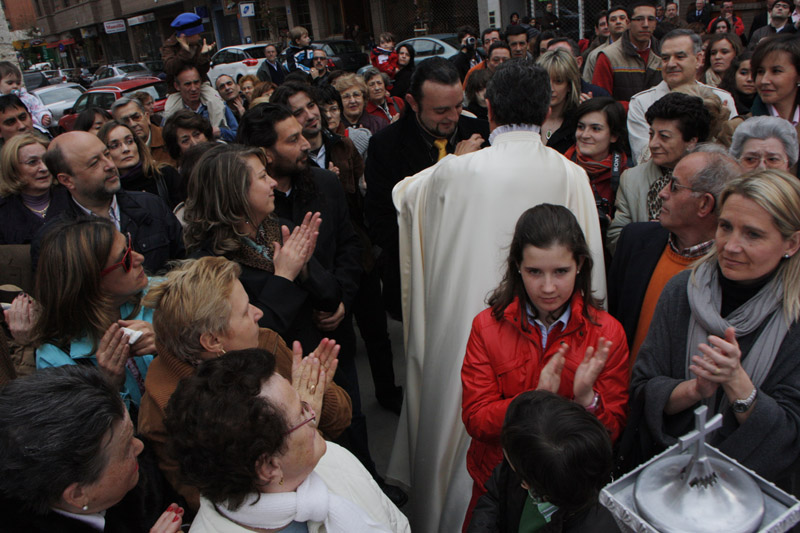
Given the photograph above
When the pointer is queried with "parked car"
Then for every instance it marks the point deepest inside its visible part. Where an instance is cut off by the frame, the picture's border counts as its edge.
(57, 98)
(59, 75)
(110, 74)
(444, 45)
(343, 54)
(155, 66)
(33, 79)
(237, 61)
(105, 96)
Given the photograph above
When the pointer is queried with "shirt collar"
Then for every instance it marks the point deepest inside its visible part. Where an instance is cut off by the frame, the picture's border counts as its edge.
(113, 210)
(692, 251)
(795, 118)
(563, 319)
(506, 128)
(96, 521)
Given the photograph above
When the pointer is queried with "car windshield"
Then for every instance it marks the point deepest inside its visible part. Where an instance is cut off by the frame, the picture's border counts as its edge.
(59, 95)
(344, 47)
(157, 90)
(132, 68)
(256, 52)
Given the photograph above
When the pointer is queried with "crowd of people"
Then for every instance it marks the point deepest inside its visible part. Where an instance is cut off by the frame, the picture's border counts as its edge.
(584, 242)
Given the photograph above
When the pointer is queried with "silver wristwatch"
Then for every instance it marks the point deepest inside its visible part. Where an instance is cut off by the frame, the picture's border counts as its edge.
(741, 406)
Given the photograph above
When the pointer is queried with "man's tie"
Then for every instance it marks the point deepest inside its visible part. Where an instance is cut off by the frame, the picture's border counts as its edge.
(441, 145)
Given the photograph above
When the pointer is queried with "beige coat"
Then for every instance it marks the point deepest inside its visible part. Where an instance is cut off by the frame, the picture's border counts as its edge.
(631, 202)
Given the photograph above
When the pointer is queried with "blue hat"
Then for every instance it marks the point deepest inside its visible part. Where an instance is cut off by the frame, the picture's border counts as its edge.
(187, 24)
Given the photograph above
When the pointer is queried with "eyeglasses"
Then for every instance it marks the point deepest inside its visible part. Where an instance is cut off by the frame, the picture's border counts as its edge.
(135, 117)
(351, 96)
(752, 161)
(674, 186)
(306, 409)
(642, 18)
(126, 262)
(127, 141)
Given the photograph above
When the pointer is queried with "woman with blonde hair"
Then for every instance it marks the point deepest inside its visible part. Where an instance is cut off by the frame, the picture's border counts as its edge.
(558, 130)
(89, 285)
(26, 189)
(138, 169)
(726, 334)
(200, 312)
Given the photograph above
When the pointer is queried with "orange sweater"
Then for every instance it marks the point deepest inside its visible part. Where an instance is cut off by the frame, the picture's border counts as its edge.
(166, 371)
(670, 264)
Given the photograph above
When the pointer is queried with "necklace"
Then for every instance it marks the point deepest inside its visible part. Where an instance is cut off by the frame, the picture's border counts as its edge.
(40, 212)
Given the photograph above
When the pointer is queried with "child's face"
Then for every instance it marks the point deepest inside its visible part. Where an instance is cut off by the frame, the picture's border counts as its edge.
(9, 83)
(387, 45)
(304, 40)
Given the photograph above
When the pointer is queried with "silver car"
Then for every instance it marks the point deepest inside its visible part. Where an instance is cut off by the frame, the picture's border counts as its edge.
(57, 98)
(444, 45)
(111, 74)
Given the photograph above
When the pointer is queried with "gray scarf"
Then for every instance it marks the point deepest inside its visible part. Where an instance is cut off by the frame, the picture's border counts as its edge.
(705, 300)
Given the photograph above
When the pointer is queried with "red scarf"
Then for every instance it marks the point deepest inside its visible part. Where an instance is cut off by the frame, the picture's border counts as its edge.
(599, 171)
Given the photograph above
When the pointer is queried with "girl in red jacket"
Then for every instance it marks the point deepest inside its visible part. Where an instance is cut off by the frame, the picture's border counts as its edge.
(543, 330)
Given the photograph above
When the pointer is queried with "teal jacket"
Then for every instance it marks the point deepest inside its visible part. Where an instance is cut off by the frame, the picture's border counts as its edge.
(80, 351)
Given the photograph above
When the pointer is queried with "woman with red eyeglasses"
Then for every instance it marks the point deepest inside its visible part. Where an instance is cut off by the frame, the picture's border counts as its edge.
(89, 286)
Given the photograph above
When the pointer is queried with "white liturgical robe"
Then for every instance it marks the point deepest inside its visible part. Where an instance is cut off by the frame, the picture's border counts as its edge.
(456, 222)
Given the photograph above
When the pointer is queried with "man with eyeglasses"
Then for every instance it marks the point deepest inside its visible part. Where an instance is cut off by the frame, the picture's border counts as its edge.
(319, 70)
(650, 253)
(632, 64)
(83, 166)
(130, 111)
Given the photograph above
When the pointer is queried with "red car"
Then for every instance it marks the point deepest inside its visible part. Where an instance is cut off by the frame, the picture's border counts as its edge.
(104, 97)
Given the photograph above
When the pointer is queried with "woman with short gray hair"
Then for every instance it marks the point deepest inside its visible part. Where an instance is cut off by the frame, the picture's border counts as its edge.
(76, 468)
(379, 102)
(765, 142)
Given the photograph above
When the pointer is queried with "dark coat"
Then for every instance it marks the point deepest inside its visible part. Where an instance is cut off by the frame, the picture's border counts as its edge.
(402, 81)
(155, 231)
(564, 137)
(18, 224)
(266, 73)
(396, 152)
(287, 305)
(500, 509)
(338, 249)
(705, 15)
(638, 251)
(166, 183)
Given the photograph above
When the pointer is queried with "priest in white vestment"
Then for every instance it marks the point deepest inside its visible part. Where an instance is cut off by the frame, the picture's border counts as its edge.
(456, 222)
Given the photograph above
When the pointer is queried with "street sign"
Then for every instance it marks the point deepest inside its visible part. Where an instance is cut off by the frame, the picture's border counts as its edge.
(247, 9)
(114, 26)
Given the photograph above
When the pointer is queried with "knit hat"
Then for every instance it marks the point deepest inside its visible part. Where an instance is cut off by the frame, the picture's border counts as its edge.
(187, 24)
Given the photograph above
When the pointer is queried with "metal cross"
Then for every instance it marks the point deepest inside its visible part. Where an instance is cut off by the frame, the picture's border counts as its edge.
(697, 437)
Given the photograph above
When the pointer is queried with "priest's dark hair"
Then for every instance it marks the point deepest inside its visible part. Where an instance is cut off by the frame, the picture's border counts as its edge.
(519, 93)
(559, 449)
(544, 226)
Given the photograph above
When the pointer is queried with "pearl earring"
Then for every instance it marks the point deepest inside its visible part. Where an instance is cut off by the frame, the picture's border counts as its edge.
(786, 256)
(85, 507)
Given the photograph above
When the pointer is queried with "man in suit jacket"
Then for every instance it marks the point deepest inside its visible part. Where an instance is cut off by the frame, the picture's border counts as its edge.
(648, 254)
(431, 128)
(271, 69)
(700, 12)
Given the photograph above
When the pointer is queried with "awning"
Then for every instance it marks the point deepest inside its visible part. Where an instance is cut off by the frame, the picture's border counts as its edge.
(65, 42)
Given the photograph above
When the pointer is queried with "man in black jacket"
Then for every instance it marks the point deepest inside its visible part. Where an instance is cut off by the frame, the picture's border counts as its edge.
(431, 128)
(82, 165)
